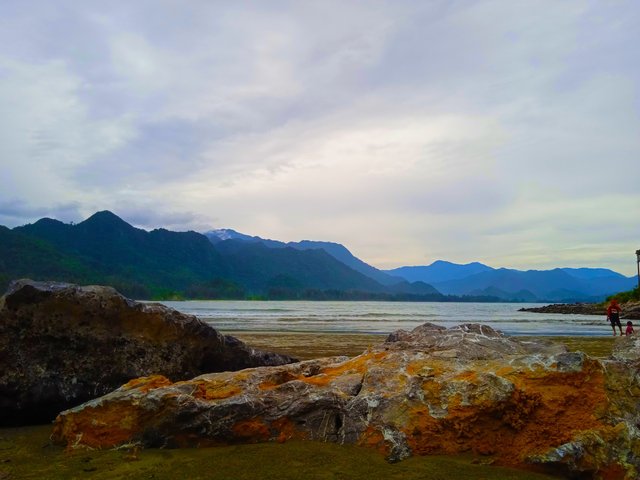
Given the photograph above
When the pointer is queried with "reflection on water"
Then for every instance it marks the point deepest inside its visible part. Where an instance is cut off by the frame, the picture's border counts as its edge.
(385, 317)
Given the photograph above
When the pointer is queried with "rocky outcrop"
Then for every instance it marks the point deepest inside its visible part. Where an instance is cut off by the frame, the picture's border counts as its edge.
(569, 308)
(522, 403)
(62, 344)
(630, 310)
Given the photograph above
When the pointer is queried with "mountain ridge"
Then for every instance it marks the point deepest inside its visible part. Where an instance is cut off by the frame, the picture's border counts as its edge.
(161, 263)
(562, 284)
(552, 285)
(224, 263)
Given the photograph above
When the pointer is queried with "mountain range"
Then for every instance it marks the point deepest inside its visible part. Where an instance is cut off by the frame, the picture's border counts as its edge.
(473, 279)
(227, 264)
(164, 264)
(556, 285)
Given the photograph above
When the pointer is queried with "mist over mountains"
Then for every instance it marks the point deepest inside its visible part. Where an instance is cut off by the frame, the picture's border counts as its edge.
(104, 249)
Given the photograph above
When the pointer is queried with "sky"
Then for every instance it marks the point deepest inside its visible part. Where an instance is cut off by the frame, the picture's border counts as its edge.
(506, 131)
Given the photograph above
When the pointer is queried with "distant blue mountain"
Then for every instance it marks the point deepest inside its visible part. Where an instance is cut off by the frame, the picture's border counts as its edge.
(519, 296)
(477, 279)
(556, 285)
(438, 271)
(591, 273)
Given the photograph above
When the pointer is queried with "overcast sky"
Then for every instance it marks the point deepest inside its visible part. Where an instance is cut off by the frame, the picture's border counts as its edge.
(506, 132)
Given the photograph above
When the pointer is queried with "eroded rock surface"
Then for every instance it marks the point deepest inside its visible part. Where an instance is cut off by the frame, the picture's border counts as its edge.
(62, 344)
(431, 391)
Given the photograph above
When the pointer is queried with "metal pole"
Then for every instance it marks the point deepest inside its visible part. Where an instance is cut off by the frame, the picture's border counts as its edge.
(638, 255)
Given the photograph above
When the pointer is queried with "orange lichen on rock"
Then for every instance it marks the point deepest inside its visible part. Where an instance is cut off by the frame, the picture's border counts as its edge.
(569, 402)
(212, 390)
(467, 376)
(374, 439)
(278, 379)
(99, 427)
(545, 410)
(286, 430)
(144, 384)
(253, 430)
(357, 364)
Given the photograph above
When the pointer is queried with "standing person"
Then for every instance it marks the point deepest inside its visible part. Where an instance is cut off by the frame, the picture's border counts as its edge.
(629, 330)
(613, 315)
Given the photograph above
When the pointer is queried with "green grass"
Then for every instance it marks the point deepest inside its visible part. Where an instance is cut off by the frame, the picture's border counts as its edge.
(26, 453)
(599, 347)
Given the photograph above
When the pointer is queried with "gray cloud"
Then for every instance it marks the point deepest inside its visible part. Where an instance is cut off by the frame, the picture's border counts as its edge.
(476, 130)
(12, 211)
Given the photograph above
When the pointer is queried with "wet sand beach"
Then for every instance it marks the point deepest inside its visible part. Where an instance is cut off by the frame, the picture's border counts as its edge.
(313, 345)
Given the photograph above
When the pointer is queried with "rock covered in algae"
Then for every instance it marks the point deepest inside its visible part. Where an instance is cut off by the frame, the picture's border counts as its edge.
(431, 391)
(63, 344)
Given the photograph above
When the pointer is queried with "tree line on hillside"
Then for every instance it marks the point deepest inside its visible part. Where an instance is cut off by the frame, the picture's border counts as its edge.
(162, 264)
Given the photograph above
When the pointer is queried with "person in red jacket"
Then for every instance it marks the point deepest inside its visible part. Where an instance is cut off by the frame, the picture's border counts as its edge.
(613, 315)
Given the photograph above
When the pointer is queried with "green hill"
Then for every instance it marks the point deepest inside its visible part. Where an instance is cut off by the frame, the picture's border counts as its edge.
(260, 268)
(25, 256)
(139, 263)
(107, 250)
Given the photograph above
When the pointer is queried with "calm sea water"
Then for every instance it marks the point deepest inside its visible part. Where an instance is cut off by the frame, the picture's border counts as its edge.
(385, 317)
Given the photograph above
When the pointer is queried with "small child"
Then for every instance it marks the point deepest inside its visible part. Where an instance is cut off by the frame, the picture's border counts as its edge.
(629, 329)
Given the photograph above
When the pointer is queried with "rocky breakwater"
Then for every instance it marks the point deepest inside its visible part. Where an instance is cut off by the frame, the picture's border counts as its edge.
(630, 310)
(62, 344)
(521, 403)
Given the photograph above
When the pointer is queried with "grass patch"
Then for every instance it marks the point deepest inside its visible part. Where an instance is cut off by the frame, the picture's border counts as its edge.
(599, 347)
(26, 453)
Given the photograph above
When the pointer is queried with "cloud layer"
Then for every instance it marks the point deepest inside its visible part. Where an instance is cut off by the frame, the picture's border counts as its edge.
(501, 131)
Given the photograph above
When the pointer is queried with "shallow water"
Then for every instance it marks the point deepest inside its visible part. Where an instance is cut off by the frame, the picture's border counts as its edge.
(385, 317)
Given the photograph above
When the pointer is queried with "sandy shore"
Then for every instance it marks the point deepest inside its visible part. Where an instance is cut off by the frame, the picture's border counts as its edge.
(313, 345)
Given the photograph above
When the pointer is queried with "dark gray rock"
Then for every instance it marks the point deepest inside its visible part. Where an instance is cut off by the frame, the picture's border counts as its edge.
(569, 308)
(63, 344)
(467, 341)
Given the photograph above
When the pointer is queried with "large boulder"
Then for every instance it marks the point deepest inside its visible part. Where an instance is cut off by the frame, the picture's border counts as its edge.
(63, 344)
(521, 403)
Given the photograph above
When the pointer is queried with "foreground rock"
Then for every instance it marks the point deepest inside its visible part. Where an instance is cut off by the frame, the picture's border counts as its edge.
(431, 391)
(630, 310)
(61, 345)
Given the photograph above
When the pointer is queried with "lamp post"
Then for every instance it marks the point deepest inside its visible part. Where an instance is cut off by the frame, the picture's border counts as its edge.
(638, 256)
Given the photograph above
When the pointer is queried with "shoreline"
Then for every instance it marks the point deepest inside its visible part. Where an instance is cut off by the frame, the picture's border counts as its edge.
(306, 346)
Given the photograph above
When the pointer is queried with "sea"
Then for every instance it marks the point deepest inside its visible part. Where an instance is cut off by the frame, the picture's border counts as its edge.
(385, 317)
